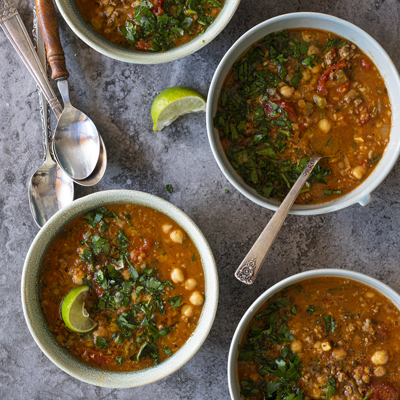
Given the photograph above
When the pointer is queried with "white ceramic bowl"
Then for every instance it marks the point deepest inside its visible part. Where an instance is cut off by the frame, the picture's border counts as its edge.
(82, 29)
(233, 381)
(362, 194)
(60, 356)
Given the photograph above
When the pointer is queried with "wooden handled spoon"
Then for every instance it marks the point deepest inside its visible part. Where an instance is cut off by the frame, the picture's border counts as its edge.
(76, 141)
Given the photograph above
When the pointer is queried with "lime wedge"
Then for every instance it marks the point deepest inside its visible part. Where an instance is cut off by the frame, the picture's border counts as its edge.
(171, 103)
(73, 311)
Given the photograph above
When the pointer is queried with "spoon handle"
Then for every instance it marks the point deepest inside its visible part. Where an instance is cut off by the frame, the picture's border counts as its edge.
(251, 265)
(14, 28)
(48, 24)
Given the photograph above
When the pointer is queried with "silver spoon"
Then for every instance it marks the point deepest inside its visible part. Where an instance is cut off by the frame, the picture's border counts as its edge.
(76, 142)
(50, 188)
(16, 32)
(101, 165)
(250, 266)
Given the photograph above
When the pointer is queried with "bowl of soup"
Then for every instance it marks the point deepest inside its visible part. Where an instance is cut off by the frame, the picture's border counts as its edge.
(147, 32)
(149, 282)
(322, 334)
(303, 84)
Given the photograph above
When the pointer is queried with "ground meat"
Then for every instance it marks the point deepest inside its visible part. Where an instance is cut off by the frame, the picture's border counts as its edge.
(113, 18)
(346, 52)
(368, 327)
(330, 57)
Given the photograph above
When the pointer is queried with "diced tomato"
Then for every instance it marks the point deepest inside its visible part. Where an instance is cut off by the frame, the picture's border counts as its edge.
(285, 105)
(99, 290)
(142, 45)
(382, 390)
(365, 64)
(157, 7)
(321, 88)
(344, 87)
(144, 248)
(96, 357)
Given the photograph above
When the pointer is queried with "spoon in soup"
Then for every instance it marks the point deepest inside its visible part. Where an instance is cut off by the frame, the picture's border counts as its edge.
(251, 265)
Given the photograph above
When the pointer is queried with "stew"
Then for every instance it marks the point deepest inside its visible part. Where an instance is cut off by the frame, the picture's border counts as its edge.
(297, 93)
(324, 338)
(146, 280)
(150, 25)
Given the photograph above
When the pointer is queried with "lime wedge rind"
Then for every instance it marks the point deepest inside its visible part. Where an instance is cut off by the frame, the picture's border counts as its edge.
(75, 316)
(174, 102)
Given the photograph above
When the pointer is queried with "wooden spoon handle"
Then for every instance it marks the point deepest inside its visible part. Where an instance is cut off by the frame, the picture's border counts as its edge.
(48, 24)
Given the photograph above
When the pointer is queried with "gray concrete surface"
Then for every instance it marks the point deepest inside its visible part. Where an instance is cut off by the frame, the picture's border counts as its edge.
(118, 96)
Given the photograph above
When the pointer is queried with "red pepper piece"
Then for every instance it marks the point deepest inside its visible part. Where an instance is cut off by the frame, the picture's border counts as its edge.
(321, 88)
(365, 64)
(157, 7)
(142, 45)
(382, 390)
(285, 105)
(344, 87)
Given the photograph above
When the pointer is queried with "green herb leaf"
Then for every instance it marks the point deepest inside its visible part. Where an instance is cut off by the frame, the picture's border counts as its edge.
(101, 343)
(331, 385)
(329, 324)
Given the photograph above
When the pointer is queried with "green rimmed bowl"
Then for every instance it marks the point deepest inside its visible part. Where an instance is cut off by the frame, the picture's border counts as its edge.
(60, 356)
(81, 28)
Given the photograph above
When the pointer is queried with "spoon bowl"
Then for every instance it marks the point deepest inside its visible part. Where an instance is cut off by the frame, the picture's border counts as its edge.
(76, 141)
(50, 190)
(97, 175)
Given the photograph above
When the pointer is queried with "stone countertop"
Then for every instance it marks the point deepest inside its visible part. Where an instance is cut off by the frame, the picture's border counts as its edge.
(118, 96)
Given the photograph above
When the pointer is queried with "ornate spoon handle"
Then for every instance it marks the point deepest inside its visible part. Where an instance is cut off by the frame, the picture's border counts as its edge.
(14, 28)
(250, 266)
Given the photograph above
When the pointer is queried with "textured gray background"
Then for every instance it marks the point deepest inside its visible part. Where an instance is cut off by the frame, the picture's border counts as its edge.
(118, 96)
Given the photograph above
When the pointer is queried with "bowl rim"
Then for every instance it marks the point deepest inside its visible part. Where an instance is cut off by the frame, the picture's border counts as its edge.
(82, 29)
(235, 179)
(96, 376)
(383, 288)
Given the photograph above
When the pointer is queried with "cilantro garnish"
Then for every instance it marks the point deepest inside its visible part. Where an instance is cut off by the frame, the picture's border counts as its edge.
(331, 385)
(101, 343)
(310, 310)
(329, 324)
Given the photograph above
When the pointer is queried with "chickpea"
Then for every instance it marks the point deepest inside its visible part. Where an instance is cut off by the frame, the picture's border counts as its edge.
(166, 228)
(177, 275)
(296, 346)
(190, 284)
(380, 357)
(306, 76)
(196, 298)
(287, 91)
(307, 36)
(302, 104)
(339, 354)
(77, 277)
(125, 274)
(325, 346)
(96, 23)
(176, 236)
(358, 172)
(325, 125)
(187, 311)
(379, 371)
(369, 295)
(312, 50)
(316, 69)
